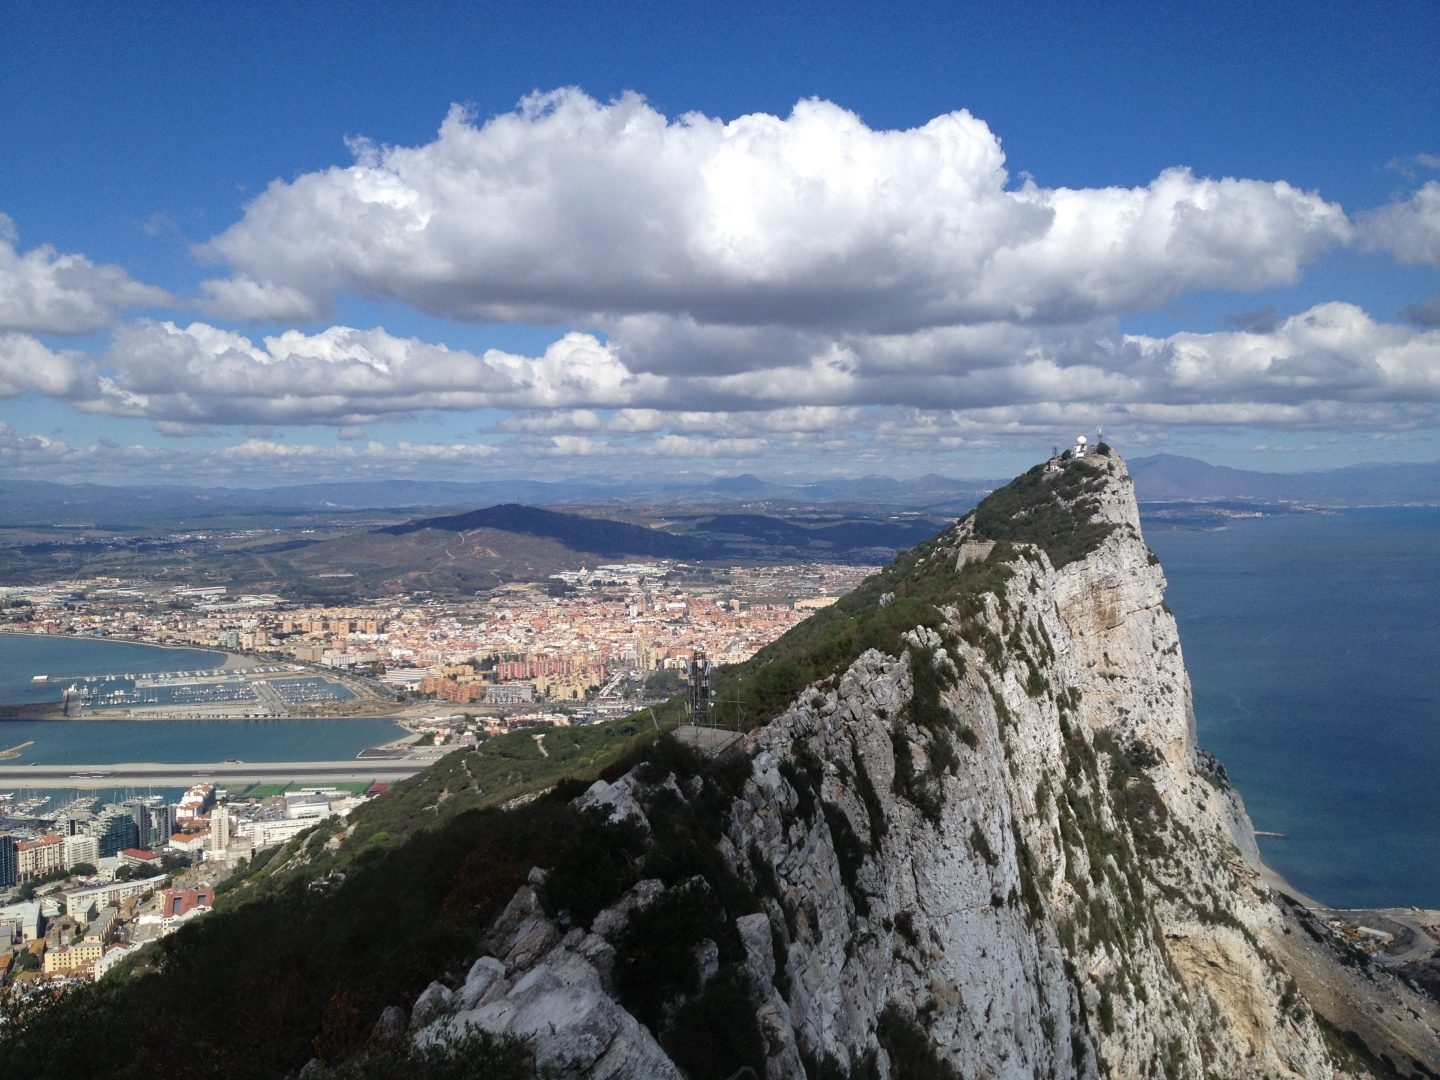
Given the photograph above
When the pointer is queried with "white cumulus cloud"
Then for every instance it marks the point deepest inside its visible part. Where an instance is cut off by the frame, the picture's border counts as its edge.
(1408, 230)
(343, 376)
(568, 209)
(45, 292)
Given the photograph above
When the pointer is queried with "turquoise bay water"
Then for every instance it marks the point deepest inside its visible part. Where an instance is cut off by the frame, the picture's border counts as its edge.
(1314, 650)
(168, 742)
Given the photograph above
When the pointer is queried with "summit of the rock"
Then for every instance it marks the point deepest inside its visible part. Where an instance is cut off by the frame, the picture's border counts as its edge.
(971, 835)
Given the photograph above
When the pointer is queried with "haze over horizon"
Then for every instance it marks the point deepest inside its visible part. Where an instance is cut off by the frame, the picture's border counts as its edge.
(275, 245)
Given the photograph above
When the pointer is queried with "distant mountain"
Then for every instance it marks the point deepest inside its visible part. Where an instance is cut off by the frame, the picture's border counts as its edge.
(842, 537)
(1169, 477)
(41, 503)
(599, 536)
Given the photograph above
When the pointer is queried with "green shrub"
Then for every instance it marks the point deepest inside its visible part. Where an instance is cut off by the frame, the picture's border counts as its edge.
(716, 1035)
(655, 953)
(593, 868)
(1054, 511)
(912, 1053)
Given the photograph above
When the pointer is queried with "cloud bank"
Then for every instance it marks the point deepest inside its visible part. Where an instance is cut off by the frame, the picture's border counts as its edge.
(568, 210)
(750, 290)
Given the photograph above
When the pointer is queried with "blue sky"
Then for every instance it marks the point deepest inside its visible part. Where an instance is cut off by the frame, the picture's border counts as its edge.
(251, 244)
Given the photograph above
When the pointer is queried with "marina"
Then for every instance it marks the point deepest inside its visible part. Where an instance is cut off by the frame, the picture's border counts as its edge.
(254, 692)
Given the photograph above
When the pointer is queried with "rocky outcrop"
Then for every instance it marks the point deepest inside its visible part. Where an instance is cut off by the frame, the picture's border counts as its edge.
(993, 845)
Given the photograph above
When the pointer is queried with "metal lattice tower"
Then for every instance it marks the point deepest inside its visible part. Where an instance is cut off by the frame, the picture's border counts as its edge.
(699, 688)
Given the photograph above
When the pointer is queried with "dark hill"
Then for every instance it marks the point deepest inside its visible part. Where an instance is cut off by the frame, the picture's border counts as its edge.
(578, 533)
(845, 536)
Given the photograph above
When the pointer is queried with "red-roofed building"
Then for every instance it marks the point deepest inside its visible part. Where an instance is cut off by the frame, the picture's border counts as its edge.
(190, 843)
(179, 905)
(36, 858)
(379, 787)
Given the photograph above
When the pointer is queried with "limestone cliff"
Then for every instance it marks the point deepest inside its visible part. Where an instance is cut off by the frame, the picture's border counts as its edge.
(988, 847)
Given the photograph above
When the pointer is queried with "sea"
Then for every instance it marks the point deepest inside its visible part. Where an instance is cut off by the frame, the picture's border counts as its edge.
(1313, 648)
(23, 656)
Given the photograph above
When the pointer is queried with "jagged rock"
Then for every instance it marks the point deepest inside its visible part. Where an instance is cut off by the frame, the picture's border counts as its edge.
(434, 1000)
(485, 982)
(617, 800)
(613, 919)
(521, 932)
(1029, 865)
(754, 931)
(391, 1025)
(575, 1028)
(707, 961)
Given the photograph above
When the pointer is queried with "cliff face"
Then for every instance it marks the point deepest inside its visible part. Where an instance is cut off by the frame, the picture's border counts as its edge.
(991, 849)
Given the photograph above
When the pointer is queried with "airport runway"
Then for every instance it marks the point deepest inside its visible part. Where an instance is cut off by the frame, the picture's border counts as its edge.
(141, 774)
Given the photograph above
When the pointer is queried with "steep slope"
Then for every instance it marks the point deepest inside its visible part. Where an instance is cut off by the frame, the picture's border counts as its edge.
(967, 833)
(990, 848)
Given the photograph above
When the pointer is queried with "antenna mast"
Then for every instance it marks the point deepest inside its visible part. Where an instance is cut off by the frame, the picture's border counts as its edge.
(699, 688)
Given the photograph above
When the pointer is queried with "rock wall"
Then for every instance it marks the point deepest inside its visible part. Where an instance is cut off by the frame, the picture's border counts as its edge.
(1002, 839)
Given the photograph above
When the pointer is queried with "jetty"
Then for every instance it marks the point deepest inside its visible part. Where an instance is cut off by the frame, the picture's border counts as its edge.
(16, 751)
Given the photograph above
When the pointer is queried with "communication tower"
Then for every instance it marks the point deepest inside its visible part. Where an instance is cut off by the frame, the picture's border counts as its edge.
(699, 688)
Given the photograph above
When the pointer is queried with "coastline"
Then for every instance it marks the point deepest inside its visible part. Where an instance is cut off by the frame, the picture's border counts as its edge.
(361, 706)
(122, 640)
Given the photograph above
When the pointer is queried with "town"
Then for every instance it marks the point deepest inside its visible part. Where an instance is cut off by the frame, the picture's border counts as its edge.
(87, 884)
(572, 638)
(83, 887)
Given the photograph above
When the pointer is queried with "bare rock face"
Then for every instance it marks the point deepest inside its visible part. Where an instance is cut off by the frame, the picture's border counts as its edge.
(996, 838)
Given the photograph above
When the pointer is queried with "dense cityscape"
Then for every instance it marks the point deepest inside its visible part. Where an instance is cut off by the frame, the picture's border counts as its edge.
(86, 884)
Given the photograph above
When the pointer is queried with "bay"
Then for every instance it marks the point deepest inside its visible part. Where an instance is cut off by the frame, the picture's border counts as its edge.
(1313, 650)
(23, 656)
(179, 742)
(167, 741)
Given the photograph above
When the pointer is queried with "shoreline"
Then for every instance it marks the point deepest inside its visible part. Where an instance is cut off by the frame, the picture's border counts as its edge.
(121, 640)
(230, 662)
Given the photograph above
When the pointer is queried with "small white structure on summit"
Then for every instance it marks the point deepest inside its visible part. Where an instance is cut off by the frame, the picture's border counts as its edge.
(1080, 446)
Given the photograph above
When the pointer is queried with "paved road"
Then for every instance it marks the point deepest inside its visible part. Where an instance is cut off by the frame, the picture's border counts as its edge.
(139, 774)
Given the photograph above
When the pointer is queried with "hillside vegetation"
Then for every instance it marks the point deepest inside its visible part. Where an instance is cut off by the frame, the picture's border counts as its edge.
(318, 938)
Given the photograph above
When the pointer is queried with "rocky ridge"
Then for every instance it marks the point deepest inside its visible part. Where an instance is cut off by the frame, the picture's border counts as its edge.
(990, 849)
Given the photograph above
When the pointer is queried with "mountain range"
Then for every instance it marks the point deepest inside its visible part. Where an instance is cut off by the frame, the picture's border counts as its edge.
(1159, 478)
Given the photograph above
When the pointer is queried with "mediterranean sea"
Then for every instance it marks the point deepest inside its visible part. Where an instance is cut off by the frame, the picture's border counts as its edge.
(1313, 649)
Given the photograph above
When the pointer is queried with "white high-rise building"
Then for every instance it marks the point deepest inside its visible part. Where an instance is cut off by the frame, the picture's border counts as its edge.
(81, 849)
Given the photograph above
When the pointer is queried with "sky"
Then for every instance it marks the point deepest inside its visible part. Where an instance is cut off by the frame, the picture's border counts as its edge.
(265, 243)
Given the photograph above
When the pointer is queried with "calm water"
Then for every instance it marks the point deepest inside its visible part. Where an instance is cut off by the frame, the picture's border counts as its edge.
(102, 742)
(1314, 651)
(23, 656)
(171, 741)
